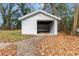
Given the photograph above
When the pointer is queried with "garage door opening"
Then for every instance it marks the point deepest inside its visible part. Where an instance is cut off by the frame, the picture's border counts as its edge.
(44, 27)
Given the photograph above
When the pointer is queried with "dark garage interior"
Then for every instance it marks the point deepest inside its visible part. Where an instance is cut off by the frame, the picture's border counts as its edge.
(44, 26)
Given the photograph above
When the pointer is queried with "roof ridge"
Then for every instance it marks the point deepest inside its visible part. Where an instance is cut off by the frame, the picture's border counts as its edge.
(44, 12)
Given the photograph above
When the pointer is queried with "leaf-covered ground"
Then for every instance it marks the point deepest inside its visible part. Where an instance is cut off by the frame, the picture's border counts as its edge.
(60, 45)
(10, 50)
(48, 45)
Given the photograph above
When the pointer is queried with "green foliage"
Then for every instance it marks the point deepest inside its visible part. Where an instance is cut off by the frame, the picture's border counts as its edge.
(16, 23)
(65, 14)
(25, 10)
(7, 13)
(78, 23)
(10, 13)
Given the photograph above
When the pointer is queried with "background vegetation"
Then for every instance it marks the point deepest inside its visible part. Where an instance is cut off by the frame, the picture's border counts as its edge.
(11, 12)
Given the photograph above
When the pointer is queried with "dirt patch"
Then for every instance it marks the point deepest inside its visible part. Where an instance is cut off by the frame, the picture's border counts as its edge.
(28, 47)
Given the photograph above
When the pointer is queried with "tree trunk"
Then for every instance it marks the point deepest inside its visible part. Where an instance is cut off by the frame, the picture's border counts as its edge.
(75, 21)
(54, 10)
(7, 25)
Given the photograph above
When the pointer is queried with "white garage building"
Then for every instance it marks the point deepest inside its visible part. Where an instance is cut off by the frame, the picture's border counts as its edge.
(39, 22)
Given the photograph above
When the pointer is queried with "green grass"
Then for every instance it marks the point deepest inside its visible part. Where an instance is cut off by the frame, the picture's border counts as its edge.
(12, 36)
(77, 33)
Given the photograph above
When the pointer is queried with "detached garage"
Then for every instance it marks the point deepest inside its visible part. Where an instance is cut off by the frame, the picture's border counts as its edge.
(39, 22)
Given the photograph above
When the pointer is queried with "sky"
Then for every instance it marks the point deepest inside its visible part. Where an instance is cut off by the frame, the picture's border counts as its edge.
(35, 6)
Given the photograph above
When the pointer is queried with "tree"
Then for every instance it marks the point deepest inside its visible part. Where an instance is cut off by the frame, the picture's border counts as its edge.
(8, 13)
(61, 10)
(23, 8)
(53, 8)
(75, 20)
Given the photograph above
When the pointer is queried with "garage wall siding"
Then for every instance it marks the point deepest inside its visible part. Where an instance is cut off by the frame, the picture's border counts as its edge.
(29, 25)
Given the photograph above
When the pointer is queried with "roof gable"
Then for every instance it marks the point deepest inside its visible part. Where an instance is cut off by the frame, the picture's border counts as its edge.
(39, 11)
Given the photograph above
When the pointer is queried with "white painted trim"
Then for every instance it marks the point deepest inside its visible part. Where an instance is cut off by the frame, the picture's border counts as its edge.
(44, 34)
(55, 27)
(36, 12)
(38, 34)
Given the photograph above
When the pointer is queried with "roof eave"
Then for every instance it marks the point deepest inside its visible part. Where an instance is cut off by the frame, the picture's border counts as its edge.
(21, 18)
